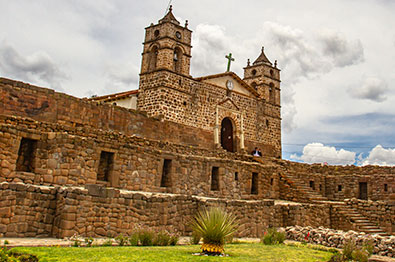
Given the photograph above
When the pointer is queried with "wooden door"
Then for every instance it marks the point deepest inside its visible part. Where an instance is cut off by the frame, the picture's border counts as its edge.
(363, 190)
(227, 134)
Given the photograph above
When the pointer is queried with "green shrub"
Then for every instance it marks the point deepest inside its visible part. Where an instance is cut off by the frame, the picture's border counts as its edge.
(134, 239)
(121, 240)
(348, 248)
(6, 242)
(273, 237)
(360, 255)
(77, 243)
(89, 241)
(161, 238)
(146, 237)
(173, 240)
(215, 226)
(351, 252)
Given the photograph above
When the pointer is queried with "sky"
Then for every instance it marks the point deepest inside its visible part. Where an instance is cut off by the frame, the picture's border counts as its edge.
(337, 60)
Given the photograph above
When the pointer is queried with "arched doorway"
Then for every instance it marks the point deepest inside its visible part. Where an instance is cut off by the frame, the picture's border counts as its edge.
(227, 134)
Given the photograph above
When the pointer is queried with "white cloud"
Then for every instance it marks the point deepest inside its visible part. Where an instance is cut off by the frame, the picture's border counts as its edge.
(120, 77)
(342, 51)
(373, 88)
(210, 46)
(380, 156)
(35, 67)
(319, 153)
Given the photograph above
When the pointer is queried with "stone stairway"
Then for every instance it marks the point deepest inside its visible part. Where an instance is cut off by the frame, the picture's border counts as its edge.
(360, 222)
(305, 189)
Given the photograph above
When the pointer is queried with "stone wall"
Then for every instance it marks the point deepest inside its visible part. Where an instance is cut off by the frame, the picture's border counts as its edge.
(383, 246)
(72, 157)
(94, 210)
(26, 210)
(46, 105)
(342, 182)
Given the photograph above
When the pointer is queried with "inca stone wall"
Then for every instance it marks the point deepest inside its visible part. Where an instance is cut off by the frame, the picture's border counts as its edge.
(54, 160)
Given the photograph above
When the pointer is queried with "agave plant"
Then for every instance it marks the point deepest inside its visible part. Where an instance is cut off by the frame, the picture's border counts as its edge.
(214, 225)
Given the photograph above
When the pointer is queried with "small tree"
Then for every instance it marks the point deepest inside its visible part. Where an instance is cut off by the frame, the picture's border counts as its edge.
(214, 226)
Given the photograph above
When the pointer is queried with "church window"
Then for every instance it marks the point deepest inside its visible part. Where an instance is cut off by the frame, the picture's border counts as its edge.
(26, 155)
(177, 58)
(106, 164)
(156, 33)
(215, 178)
(166, 172)
(254, 183)
(253, 72)
(153, 57)
(271, 92)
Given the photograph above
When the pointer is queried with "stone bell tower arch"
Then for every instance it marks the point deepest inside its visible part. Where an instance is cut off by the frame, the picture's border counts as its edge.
(167, 46)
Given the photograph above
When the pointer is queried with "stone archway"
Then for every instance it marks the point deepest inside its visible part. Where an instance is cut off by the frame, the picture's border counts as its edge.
(227, 134)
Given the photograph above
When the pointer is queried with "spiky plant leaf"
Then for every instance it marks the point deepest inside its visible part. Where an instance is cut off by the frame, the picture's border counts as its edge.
(214, 225)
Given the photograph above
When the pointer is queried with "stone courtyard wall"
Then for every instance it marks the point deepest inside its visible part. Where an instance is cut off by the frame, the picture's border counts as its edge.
(26, 210)
(46, 105)
(97, 211)
(342, 182)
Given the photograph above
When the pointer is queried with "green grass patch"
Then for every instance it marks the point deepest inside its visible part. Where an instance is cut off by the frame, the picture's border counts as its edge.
(237, 252)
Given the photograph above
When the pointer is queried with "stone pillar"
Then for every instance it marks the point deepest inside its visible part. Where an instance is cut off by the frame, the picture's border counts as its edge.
(242, 133)
(216, 128)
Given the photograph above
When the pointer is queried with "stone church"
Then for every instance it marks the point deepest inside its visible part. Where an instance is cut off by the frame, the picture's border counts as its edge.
(153, 157)
(240, 113)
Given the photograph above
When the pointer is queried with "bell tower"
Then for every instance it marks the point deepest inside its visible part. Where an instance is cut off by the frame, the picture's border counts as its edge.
(264, 78)
(167, 46)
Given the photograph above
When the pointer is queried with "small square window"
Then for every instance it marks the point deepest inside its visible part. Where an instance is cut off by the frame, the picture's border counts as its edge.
(339, 188)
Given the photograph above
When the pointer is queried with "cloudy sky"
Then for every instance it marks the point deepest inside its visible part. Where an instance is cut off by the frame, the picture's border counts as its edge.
(337, 59)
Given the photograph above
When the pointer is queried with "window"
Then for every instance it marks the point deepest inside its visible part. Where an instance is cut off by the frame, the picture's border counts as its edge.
(320, 187)
(177, 59)
(26, 155)
(215, 178)
(153, 57)
(312, 185)
(271, 92)
(253, 84)
(253, 72)
(105, 166)
(166, 171)
(339, 188)
(236, 176)
(385, 188)
(156, 33)
(271, 181)
(254, 184)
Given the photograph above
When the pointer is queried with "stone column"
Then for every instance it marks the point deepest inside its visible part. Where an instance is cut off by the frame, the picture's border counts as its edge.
(216, 128)
(242, 132)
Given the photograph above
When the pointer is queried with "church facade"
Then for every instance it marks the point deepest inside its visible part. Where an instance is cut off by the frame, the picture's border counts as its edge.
(240, 114)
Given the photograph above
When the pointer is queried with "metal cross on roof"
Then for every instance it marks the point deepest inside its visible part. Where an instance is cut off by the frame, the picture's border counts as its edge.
(230, 59)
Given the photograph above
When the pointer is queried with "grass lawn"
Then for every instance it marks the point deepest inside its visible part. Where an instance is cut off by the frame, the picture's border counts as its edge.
(237, 252)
